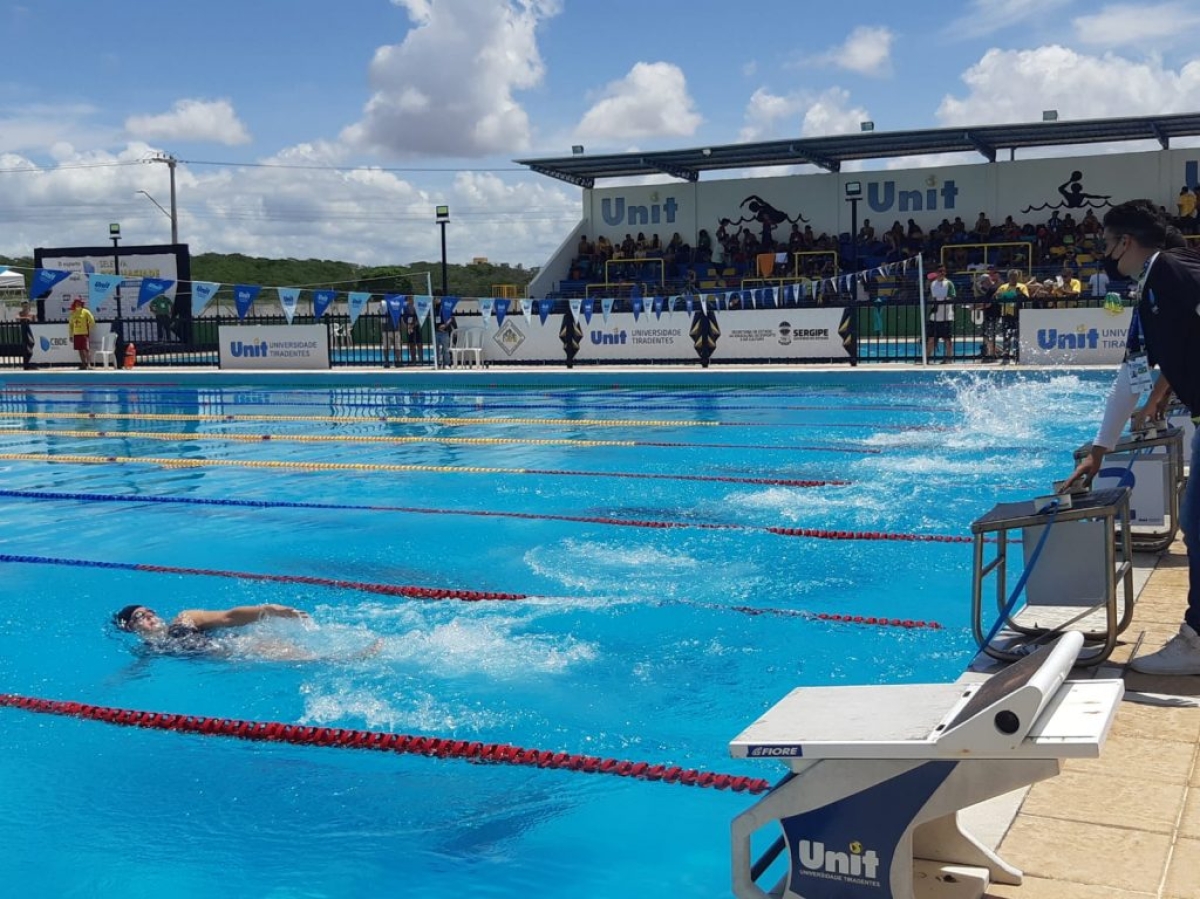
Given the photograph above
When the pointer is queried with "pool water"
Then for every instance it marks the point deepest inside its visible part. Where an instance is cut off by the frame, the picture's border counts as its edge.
(654, 644)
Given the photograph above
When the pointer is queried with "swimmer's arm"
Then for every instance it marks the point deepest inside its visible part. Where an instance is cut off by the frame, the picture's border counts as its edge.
(238, 616)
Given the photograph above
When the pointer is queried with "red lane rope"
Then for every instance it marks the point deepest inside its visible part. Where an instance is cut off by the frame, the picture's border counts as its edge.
(820, 534)
(431, 593)
(402, 744)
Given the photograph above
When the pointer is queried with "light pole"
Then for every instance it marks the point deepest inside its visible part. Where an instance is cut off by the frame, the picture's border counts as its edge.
(443, 219)
(114, 232)
(170, 161)
(853, 197)
(164, 212)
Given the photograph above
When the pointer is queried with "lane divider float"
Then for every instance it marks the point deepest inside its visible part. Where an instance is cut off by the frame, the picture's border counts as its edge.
(166, 462)
(409, 591)
(813, 533)
(401, 744)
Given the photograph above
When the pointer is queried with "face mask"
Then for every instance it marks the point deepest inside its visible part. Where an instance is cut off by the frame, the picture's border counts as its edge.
(1110, 267)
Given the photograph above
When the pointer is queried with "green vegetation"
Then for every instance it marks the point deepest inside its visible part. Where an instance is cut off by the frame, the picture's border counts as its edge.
(475, 280)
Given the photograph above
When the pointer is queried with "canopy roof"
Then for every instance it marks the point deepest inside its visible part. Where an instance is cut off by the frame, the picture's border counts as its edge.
(830, 152)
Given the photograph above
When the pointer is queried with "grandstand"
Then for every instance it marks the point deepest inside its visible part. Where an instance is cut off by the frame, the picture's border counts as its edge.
(799, 231)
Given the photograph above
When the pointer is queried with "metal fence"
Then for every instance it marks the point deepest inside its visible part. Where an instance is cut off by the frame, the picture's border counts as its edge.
(887, 329)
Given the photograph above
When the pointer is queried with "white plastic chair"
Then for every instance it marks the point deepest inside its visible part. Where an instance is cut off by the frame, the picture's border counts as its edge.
(107, 351)
(342, 336)
(466, 342)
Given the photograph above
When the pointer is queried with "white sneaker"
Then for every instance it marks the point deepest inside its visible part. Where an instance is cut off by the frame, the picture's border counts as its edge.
(1181, 655)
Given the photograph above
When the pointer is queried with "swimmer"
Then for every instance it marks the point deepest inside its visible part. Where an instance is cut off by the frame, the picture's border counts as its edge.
(189, 632)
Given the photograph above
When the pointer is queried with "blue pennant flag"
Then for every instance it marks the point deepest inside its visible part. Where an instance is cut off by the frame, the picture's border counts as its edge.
(657, 305)
(606, 306)
(543, 310)
(638, 307)
(448, 304)
(356, 303)
(100, 286)
(44, 280)
(501, 310)
(288, 298)
(789, 295)
(244, 296)
(322, 300)
(395, 305)
(576, 305)
(151, 288)
(587, 307)
(202, 294)
(689, 305)
(486, 305)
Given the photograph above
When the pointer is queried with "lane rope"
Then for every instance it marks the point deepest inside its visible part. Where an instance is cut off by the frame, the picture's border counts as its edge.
(457, 422)
(813, 533)
(401, 744)
(165, 462)
(453, 441)
(433, 593)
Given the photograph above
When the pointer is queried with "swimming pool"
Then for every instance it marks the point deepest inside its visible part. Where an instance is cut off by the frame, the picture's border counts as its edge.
(652, 528)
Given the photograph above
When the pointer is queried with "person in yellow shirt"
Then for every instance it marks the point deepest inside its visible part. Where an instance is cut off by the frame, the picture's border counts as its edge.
(79, 325)
(1010, 296)
(1067, 287)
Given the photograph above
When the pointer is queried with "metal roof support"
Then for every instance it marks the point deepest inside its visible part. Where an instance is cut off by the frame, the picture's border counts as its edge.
(829, 165)
(1163, 140)
(985, 149)
(577, 180)
(675, 171)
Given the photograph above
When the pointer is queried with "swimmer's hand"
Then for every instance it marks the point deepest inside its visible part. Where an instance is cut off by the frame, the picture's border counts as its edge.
(1087, 469)
(275, 610)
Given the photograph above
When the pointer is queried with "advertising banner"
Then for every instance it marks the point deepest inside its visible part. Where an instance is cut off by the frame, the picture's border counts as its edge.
(259, 347)
(52, 344)
(168, 263)
(768, 334)
(1073, 336)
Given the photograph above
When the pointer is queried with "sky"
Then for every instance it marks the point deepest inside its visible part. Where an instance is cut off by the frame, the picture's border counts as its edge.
(309, 129)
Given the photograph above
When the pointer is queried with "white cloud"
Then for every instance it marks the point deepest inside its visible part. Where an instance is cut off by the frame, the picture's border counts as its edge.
(767, 114)
(1016, 85)
(867, 50)
(447, 88)
(651, 101)
(369, 216)
(37, 126)
(985, 17)
(1139, 25)
(211, 121)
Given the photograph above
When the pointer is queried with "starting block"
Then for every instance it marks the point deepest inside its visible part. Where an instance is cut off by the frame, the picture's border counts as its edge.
(1152, 464)
(1086, 560)
(879, 774)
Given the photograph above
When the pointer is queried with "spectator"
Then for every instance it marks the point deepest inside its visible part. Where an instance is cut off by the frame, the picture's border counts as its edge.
(1011, 295)
(1067, 288)
(983, 228)
(164, 316)
(703, 247)
(585, 250)
(410, 326)
(1098, 283)
(1186, 204)
(941, 315)
(389, 333)
(444, 332)
(866, 233)
(985, 303)
(27, 317)
(1090, 226)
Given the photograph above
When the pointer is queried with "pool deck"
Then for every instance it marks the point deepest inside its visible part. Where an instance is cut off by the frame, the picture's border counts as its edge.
(1128, 823)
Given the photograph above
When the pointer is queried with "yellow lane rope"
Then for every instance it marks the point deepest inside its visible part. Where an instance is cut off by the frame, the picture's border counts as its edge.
(349, 419)
(316, 438)
(252, 463)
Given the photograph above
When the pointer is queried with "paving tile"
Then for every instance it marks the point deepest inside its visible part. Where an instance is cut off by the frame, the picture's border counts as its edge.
(1162, 761)
(1086, 798)
(1039, 888)
(1092, 854)
(1189, 825)
(1183, 874)
(1155, 722)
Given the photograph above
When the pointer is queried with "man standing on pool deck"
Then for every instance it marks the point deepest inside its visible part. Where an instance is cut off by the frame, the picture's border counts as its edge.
(1165, 332)
(79, 326)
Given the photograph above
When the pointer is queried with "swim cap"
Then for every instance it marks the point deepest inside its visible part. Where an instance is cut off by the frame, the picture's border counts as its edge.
(121, 618)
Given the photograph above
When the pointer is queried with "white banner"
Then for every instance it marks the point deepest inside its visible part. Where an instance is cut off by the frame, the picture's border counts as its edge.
(273, 346)
(752, 335)
(52, 344)
(1073, 336)
(134, 267)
